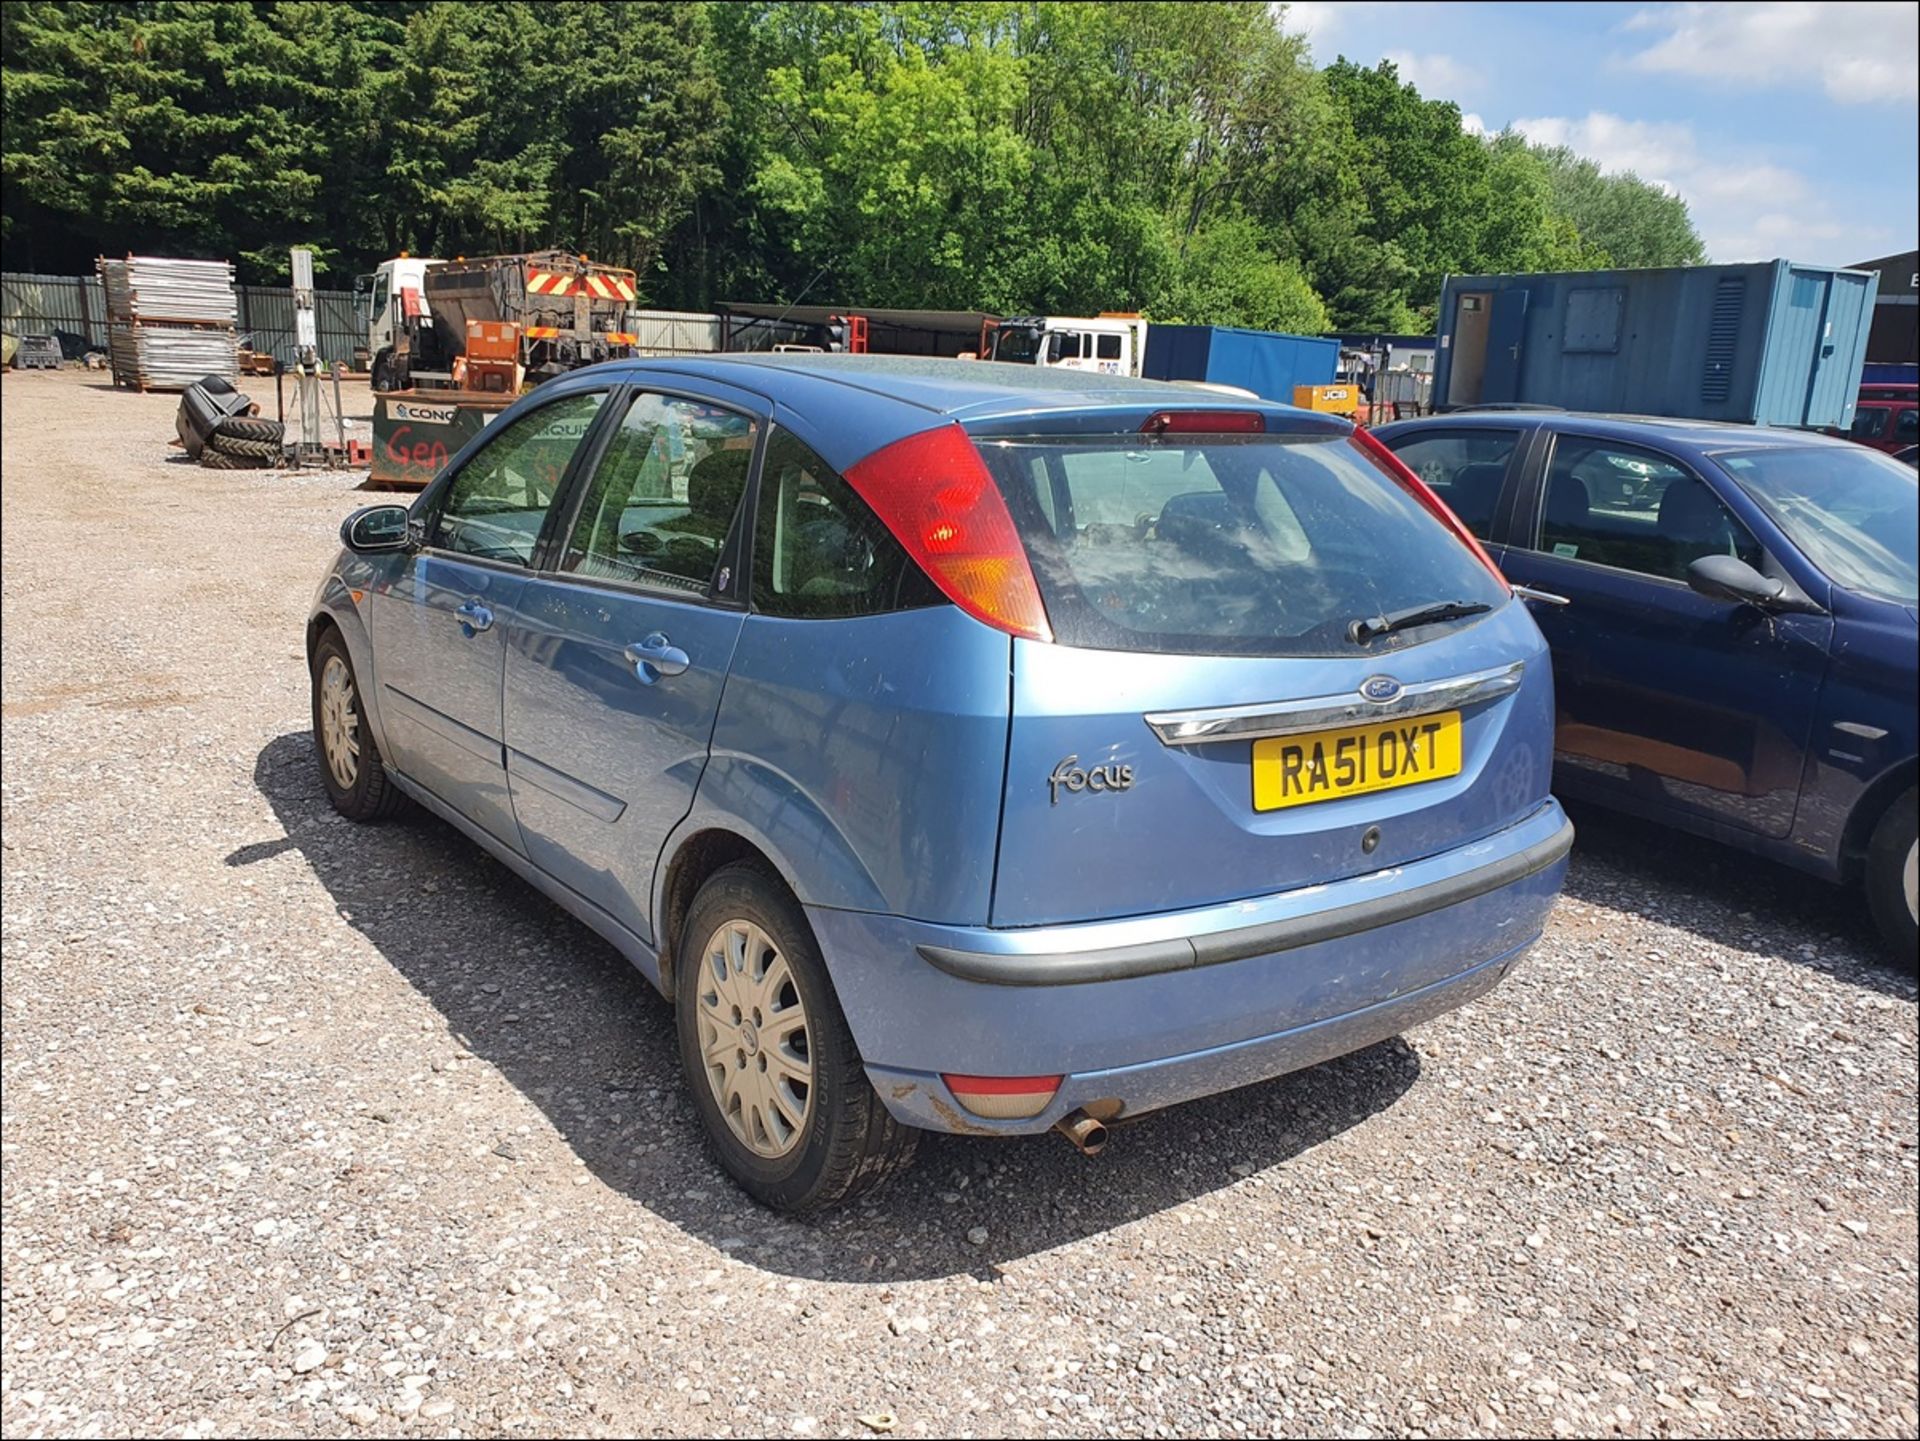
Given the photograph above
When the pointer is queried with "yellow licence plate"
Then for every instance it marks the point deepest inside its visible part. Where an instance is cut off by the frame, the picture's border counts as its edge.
(1320, 765)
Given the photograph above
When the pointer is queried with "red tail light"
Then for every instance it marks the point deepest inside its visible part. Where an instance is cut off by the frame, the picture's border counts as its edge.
(1203, 422)
(932, 490)
(1369, 445)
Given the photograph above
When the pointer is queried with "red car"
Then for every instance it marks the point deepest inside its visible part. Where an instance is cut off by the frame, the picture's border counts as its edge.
(1886, 418)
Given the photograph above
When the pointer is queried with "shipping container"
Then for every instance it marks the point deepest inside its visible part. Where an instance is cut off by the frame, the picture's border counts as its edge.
(1771, 343)
(1264, 361)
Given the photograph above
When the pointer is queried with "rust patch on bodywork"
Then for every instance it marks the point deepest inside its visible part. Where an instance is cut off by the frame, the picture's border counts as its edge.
(904, 1089)
(956, 1121)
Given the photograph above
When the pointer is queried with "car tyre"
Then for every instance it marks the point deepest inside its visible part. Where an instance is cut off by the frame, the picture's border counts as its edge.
(249, 427)
(1892, 856)
(260, 453)
(383, 373)
(350, 767)
(756, 1012)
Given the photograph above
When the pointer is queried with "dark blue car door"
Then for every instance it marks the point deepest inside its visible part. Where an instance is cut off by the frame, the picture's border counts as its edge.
(618, 654)
(1669, 703)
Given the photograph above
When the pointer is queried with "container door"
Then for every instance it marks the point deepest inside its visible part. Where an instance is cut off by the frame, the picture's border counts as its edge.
(1467, 347)
(1832, 385)
(1506, 339)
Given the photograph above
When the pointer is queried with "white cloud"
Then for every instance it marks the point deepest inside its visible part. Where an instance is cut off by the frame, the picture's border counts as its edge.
(1316, 21)
(1859, 53)
(1473, 124)
(1744, 206)
(1436, 77)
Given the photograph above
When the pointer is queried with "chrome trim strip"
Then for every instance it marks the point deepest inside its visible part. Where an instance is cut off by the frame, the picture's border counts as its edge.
(1282, 718)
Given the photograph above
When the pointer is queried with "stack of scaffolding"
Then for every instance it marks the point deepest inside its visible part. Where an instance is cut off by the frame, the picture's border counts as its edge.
(169, 322)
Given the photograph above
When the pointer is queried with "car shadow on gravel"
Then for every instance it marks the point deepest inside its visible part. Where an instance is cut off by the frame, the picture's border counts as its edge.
(1727, 896)
(580, 1034)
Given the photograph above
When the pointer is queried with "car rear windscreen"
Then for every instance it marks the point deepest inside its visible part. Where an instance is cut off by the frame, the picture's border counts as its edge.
(1227, 545)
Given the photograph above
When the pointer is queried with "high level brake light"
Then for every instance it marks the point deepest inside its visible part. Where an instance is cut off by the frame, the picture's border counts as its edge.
(1204, 422)
(1398, 471)
(933, 492)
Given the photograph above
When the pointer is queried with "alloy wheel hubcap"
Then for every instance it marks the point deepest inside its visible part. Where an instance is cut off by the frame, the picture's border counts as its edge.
(339, 723)
(1910, 881)
(755, 1045)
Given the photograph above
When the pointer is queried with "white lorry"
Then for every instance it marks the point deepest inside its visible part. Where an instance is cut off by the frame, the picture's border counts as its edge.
(1110, 344)
(381, 295)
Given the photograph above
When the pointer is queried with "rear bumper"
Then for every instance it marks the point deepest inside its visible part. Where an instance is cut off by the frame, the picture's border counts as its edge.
(1156, 1010)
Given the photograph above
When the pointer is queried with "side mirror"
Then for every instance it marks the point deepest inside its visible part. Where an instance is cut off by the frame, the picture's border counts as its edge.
(1728, 578)
(375, 528)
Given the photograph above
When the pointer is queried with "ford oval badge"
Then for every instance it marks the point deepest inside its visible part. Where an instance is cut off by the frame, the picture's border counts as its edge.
(1380, 688)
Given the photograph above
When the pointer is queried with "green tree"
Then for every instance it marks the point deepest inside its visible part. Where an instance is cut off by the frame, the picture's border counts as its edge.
(1626, 220)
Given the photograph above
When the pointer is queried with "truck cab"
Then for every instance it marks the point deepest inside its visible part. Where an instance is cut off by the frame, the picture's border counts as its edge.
(1109, 344)
(380, 296)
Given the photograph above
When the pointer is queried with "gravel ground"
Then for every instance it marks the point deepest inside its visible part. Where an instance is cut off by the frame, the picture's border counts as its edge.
(313, 1128)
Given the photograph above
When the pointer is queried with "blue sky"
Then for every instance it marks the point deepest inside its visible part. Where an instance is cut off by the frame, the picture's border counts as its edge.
(1790, 129)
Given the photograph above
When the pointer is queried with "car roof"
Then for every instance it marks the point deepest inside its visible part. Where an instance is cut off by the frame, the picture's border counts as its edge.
(847, 406)
(954, 388)
(1704, 436)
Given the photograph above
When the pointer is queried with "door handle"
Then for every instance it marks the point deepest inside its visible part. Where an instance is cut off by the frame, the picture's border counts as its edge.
(474, 618)
(1545, 597)
(656, 656)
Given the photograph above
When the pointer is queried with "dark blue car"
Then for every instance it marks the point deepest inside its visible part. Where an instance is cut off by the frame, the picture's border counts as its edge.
(1736, 655)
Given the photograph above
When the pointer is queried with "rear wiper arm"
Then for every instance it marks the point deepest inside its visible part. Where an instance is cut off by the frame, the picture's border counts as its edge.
(1364, 630)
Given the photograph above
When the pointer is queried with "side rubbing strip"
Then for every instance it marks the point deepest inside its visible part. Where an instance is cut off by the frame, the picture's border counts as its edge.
(1066, 968)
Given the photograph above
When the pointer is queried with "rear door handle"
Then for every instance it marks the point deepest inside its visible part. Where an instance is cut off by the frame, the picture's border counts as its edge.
(474, 617)
(1545, 597)
(656, 656)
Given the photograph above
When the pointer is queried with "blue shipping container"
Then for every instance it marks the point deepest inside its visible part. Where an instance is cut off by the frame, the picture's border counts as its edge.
(1772, 343)
(1264, 361)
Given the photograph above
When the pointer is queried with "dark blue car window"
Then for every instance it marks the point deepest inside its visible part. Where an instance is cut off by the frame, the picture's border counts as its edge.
(1852, 511)
(1632, 509)
(1465, 468)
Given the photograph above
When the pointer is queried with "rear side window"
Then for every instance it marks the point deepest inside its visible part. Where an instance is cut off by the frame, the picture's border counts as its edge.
(664, 496)
(1267, 545)
(818, 550)
(1465, 468)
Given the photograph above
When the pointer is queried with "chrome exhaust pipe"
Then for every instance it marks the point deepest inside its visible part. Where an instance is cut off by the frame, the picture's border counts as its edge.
(1088, 1136)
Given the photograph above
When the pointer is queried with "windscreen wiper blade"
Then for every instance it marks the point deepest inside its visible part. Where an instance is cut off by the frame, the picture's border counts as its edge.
(1363, 630)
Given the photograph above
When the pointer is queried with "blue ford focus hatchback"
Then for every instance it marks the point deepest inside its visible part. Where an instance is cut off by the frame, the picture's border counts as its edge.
(960, 747)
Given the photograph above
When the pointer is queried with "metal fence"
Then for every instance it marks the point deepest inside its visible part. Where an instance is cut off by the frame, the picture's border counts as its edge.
(73, 309)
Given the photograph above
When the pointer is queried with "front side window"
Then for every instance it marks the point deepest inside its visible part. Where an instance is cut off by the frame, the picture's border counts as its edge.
(664, 496)
(818, 550)
(1620, 506)
(499, 499)
(1465, 468)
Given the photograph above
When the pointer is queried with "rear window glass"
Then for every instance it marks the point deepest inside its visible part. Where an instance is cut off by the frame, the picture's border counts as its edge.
(1263, 545)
